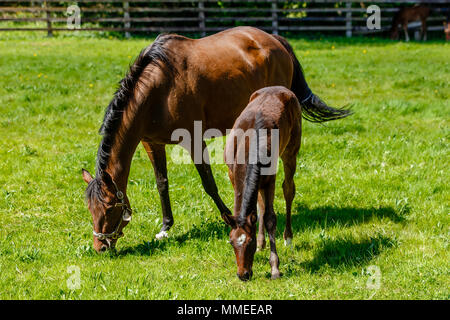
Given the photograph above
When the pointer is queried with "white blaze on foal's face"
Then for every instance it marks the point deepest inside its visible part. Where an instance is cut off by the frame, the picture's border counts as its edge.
(240, 241)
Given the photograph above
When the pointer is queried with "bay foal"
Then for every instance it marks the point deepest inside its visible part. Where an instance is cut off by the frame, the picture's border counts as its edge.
(269, 126)
(406, 15)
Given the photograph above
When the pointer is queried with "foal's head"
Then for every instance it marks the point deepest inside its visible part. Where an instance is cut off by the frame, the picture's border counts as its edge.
(243, 240)
(110, 210)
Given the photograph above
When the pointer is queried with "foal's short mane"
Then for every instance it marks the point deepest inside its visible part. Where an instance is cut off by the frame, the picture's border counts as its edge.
(156, 55)
(252, 174)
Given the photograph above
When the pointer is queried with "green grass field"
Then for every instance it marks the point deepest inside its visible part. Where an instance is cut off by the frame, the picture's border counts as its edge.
(372, 190)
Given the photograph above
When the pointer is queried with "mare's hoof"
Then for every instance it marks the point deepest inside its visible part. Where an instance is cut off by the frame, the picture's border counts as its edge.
(162, 235)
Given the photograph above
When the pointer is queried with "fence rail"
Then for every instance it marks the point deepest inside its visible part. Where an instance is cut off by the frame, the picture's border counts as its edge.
(338, 16)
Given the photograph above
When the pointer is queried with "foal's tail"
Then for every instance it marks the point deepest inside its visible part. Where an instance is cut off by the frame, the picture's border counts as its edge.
(313, 109)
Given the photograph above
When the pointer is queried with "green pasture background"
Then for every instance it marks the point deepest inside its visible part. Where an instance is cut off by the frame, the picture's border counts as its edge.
(372, 189)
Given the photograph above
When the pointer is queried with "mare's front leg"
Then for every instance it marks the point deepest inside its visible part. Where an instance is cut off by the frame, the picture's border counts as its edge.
(208, 182)
(270, 221)
(157, 155)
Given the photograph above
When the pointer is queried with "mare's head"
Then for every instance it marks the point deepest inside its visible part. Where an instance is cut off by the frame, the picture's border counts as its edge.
(109, 207)
(243, 240)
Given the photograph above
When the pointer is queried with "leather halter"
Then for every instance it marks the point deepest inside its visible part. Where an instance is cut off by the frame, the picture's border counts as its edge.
(126, 216)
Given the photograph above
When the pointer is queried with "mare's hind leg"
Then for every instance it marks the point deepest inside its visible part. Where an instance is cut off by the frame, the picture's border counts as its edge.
(157, 155)
(208, 182)
(261, 240)
(270, 221)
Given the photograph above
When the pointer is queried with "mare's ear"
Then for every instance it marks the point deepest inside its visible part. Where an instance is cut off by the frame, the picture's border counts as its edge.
(229, 220)
(86, 176)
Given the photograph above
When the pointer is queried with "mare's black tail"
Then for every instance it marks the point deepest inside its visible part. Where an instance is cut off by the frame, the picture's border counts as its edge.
(313, 109)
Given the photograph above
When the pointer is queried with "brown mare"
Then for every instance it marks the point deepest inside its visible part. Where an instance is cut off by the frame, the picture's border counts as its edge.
(173, 83)
(405, 15)
(269, 108)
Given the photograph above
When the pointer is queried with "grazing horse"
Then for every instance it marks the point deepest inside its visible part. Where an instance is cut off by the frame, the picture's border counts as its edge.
(172, 84)
(405, 15)
(269, 108)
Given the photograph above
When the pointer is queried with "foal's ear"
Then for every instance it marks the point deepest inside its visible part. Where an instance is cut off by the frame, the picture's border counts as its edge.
(86, 175)
(229, 220)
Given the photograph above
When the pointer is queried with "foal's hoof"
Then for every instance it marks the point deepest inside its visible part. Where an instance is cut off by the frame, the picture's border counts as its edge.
(162, 235)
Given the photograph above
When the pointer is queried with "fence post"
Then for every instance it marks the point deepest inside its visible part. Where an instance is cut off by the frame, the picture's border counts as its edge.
(348, 20)
(201, 18)
(126, 16)
(49, 21)
(274, 17)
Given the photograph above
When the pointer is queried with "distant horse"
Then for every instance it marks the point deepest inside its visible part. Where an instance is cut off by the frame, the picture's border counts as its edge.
(447, 26)
(173, 83)
(405, 15)
(269, 108)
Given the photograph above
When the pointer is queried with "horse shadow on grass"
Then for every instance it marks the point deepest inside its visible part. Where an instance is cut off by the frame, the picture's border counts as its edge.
(344, 252)
(304, 218)
(333, 252)
(146, 248)
(206, 231)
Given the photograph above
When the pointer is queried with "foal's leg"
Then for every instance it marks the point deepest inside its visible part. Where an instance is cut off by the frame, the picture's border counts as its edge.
(209, 184)
(270, 221)
(289, 158)
(261, 240)
(289, 163)
(157, 155)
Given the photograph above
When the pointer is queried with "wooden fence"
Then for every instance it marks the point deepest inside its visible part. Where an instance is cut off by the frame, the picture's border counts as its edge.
(206, 16)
